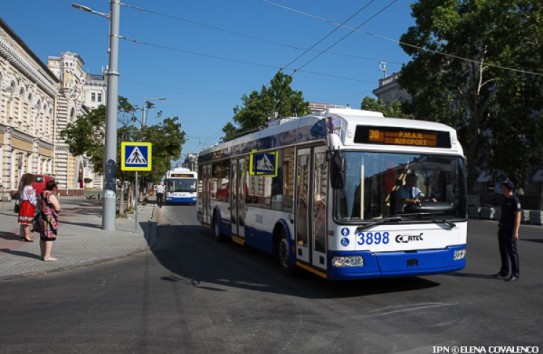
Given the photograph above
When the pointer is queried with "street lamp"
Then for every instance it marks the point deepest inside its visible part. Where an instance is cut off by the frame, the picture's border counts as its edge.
(109, 210)
(88, 9)
(143, 108)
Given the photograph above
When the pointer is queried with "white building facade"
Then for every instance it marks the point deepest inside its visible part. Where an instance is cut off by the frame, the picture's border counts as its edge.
(69, 68)
(389, 90)
(28, 91)
(95, 91)
(37, 102)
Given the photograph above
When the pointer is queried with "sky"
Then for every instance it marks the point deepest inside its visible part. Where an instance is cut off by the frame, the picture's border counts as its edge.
(204, 55)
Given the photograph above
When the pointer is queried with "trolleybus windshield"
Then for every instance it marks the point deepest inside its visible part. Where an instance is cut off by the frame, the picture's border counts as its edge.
(182, 185)
(375, 182)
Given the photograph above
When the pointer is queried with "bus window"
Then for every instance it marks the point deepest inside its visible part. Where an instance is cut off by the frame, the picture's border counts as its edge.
(220, 186)
(288, 179)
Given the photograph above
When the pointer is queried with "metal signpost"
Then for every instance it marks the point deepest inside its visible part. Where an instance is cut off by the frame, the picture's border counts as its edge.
(109, 199)
(136, 156)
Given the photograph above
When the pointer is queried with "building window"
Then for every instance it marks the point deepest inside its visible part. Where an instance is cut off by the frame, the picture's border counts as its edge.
(93, 97)
(99, 97)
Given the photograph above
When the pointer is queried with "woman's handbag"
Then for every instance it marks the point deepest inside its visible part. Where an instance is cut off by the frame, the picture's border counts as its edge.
(16, 207)
(36, 227)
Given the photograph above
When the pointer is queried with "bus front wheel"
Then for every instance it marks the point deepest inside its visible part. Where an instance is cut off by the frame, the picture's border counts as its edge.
(283, 253)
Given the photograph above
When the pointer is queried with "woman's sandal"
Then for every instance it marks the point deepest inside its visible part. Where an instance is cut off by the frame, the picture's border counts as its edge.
(49, 259)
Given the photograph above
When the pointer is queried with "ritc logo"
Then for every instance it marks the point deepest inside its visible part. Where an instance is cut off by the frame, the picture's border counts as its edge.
(409, 238)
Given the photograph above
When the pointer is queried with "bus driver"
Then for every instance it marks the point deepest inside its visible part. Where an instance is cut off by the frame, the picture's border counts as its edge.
(410, 194)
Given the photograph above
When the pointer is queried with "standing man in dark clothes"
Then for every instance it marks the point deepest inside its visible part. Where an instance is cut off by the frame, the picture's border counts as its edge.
(508, 232)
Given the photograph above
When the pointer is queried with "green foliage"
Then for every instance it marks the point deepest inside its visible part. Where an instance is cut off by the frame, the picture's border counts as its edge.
(277, 100)
(496, 111)
(86, 137)
(393, 110)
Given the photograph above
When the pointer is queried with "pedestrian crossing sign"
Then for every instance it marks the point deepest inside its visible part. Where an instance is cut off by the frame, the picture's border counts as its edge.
(136, 156)
(263, 163)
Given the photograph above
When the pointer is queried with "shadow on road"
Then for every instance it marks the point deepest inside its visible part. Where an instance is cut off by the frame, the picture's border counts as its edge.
(8, 235)
(20, 253)
(473, 275)
(191, 253)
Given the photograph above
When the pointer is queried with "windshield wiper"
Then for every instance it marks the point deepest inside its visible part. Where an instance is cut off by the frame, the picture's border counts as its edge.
(380, 222)
(446, 222)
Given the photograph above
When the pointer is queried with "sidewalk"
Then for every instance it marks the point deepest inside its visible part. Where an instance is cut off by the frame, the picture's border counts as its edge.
(81, 240)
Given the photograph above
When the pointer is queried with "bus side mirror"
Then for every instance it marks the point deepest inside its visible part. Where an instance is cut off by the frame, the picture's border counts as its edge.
(336, 171)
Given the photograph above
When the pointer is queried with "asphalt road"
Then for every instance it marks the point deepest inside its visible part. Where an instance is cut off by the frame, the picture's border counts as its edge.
(190, 294)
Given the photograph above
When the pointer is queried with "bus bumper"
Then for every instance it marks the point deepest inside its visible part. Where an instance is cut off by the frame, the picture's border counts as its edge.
(181, 200)
(398, 264)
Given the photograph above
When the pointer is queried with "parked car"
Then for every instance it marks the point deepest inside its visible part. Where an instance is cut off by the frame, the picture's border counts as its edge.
(39, 182)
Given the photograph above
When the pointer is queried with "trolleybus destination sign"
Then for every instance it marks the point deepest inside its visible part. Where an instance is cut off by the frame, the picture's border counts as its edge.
(400, 136)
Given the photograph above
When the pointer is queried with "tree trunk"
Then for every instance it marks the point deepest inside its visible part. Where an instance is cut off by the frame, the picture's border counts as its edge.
(122, 210)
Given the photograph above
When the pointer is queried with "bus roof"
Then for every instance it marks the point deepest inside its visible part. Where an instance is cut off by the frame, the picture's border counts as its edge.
(180, 172)
(294, 130)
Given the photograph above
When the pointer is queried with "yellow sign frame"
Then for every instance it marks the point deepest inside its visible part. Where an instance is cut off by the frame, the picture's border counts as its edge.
(252, 163)
(125, 145)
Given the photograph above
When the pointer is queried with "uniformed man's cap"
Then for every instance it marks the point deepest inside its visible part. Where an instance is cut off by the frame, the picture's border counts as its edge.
(509, 185)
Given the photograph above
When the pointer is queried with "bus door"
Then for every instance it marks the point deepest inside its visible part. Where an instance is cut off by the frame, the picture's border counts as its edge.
(206, 193)
(303, 204)
(320, 201)
(311, 204)
(237, 200)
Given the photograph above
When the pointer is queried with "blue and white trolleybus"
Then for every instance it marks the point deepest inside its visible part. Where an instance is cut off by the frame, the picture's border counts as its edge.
(181, 186)
(348, 194)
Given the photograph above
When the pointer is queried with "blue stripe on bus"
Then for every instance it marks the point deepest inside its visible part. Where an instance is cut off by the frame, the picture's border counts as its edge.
(397, 264)
(181, 199)
(376, 265)
(259, 239)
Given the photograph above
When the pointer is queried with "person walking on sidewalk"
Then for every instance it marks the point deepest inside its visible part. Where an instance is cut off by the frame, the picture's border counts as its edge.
(27, 208)
(508, 232)
(160, 194)
(49, 207)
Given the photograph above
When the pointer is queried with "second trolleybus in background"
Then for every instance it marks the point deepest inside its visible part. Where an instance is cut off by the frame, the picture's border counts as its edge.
(332, 194)
(181, 186)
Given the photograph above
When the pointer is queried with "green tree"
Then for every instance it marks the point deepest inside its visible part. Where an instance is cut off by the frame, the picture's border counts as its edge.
(277, 100)
(86, 136)
(393, 110)
(496, 111)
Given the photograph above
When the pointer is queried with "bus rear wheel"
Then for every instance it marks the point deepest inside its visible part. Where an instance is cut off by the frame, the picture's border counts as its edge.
(217, 228)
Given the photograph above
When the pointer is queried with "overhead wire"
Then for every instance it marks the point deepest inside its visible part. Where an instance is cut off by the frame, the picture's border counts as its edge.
(240, 34)
(238, 61)
(306, 50)
(323, 19)
(348, 34)
(329, 33)
(433, 51)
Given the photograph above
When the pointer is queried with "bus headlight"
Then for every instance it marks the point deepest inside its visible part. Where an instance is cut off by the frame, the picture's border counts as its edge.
(459, 254)
(352, 261)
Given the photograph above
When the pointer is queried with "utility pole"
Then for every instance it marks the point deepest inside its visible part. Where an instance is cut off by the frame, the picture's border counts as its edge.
(109, 200)
(109, 211)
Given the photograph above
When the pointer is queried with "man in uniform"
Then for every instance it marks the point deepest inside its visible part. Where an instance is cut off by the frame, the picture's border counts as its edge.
(508, 232)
